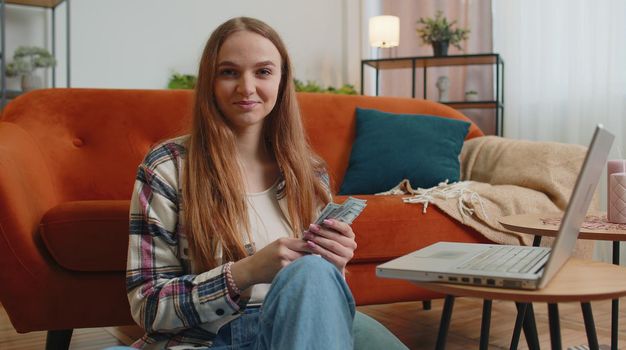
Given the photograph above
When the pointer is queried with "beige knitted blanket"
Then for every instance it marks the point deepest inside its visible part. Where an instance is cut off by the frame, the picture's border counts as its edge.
(503, 177)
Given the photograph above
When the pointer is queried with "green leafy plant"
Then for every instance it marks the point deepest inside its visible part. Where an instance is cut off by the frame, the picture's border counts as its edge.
(28, 58)
(438, 29)
(188, 81)
(182, 81)
(311, 86)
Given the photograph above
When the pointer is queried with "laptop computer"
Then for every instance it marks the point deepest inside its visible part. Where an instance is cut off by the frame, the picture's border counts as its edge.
(508, 266)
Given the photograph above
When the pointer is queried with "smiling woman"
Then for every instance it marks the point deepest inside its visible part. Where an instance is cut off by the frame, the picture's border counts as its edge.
(250, 187)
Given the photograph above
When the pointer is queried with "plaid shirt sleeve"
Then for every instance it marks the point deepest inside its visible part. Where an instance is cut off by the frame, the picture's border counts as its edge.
(163, 294)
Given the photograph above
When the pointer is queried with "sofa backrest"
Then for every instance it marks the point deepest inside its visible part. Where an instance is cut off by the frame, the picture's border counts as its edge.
(92, 140)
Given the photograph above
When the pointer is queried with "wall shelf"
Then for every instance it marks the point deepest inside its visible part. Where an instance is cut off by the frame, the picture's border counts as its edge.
(51, 5)
(425, 62)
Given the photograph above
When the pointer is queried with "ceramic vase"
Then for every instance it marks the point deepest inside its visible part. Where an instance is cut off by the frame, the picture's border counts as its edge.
(31, 82)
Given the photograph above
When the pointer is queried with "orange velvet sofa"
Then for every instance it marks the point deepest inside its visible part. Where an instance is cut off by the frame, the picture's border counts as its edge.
(68, 159)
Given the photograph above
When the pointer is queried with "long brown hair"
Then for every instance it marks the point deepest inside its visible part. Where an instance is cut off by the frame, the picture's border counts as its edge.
(215, 211)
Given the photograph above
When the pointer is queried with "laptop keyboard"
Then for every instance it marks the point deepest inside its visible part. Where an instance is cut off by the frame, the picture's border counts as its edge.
(506, 259)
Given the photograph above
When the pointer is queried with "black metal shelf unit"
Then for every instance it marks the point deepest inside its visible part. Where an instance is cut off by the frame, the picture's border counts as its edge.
(46, 4)
(425, 62)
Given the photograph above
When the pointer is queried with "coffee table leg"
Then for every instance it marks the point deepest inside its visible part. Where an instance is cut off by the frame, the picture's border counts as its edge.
(555, 327)
(446, 315)
(615, 302)
(530, 327)
(590, 326)
(614, 323)
(519, 320)
(484, 326)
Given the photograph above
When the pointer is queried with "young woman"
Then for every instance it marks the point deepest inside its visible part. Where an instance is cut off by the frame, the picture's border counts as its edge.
(222, 253)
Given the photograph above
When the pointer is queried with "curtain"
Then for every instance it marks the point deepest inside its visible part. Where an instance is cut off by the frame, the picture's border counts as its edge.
(565, 72)
(472, 14)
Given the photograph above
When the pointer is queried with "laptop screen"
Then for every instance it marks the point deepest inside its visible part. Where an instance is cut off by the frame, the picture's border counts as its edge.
(579, 202)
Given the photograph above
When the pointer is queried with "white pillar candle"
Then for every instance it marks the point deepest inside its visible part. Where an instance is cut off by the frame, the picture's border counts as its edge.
(612, 166)
(617, 198)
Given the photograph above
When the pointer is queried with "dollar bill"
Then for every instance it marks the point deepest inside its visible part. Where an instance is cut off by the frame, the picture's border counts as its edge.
(346, 212)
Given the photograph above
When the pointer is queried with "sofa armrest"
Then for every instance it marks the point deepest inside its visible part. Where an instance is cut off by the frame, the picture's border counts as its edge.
(27, 191)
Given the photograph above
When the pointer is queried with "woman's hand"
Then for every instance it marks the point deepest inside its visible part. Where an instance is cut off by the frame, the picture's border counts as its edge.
(334, 241)
(262, 266)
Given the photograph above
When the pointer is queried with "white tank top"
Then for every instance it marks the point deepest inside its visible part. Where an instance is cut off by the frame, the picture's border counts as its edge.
(267, 224)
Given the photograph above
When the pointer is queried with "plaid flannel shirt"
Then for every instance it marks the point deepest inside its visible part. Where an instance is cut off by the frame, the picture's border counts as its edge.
(172, 303)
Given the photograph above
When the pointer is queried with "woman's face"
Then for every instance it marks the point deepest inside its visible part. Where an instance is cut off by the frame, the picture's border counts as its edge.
(247, 80)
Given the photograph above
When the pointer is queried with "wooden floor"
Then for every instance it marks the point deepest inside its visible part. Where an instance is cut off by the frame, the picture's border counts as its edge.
(416, 327)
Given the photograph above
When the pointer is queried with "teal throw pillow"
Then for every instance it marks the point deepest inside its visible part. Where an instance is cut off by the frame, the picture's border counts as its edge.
(391, 147)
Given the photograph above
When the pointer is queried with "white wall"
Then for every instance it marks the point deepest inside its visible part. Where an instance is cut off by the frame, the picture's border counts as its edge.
(138, 43)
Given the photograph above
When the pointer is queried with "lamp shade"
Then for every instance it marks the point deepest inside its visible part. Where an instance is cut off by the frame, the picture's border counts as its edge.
(384, 31)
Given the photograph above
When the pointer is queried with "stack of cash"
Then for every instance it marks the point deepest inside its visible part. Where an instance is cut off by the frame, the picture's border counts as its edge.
(346, 212)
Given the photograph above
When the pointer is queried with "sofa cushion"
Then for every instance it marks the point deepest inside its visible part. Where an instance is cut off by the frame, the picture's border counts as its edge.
(391, 228)
(330, 123)
(88, 235)
(391, 147)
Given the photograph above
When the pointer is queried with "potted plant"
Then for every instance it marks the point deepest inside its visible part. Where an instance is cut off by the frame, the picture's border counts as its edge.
(440, 33)
(25, 60)
(182, 81)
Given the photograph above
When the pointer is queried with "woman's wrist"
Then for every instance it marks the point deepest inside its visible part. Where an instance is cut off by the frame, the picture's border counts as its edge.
(238, 274)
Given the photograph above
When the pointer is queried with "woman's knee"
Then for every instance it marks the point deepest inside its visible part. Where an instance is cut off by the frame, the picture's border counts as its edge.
(310, 267)
(311, 276)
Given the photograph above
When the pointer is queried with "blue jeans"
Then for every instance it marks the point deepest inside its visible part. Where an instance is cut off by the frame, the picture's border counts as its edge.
(309, 306)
